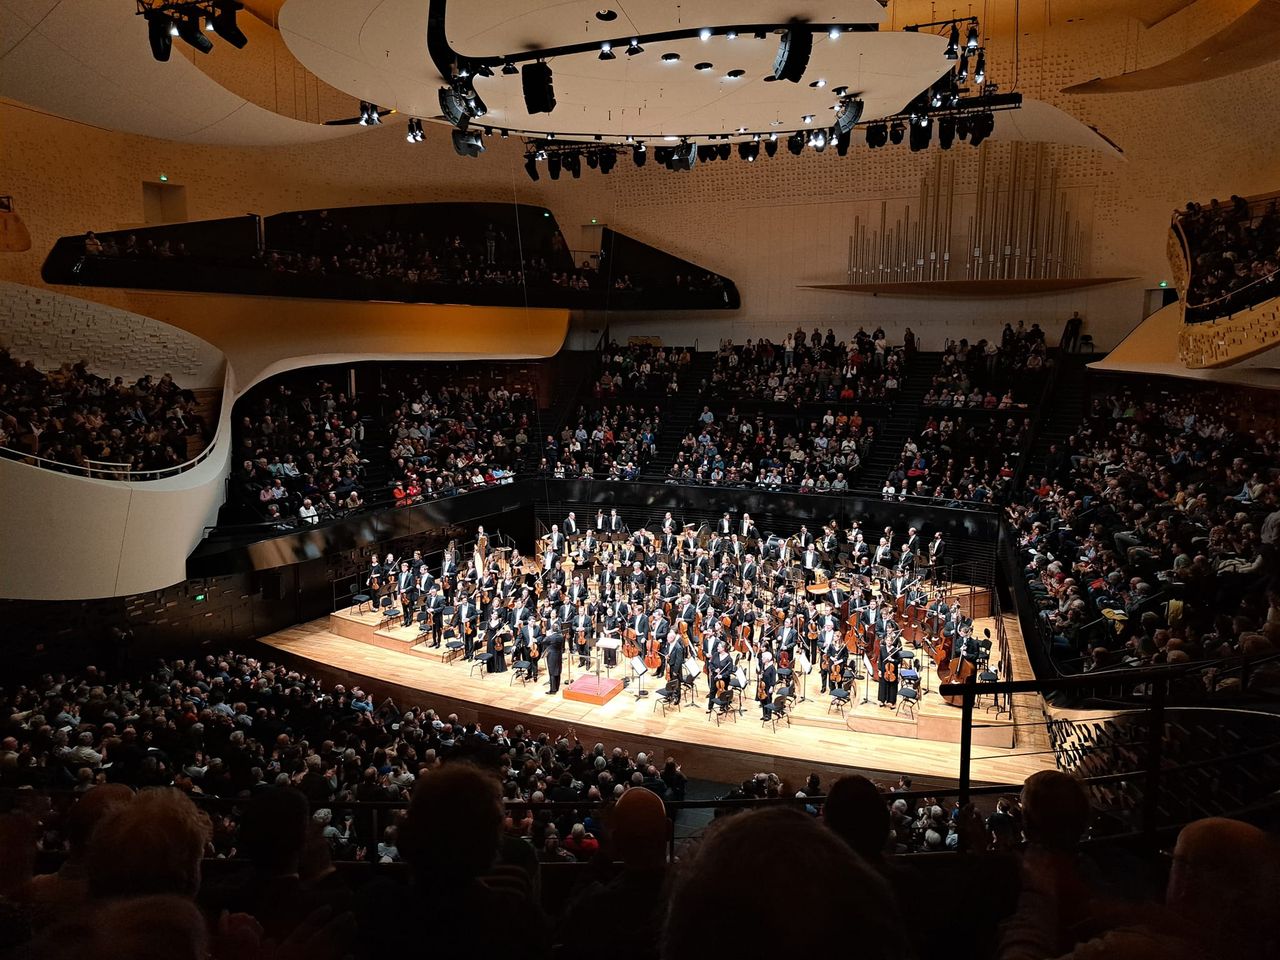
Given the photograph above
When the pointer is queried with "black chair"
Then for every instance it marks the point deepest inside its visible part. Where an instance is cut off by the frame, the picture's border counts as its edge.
(908, 697)
(840, 698)
(481, 661)
(520, 670)
(358, 600)
(671, 697)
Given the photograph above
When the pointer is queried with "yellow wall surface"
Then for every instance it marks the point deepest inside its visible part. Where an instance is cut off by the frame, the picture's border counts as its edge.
(771, 226)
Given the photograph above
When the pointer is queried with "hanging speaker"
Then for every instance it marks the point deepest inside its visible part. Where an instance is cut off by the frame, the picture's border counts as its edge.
(158, 33)
(793, 54)
(539, 94)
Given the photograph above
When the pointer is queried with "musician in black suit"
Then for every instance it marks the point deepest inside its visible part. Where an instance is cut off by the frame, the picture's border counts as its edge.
(768, 680)
(615, 522)
(570, 525)
(553, 650)
(434, 606)
(581, 628)
(937, 552)
(530, 636)
(804, 537)
(725, 526)
(407, 590)
(718, 589)
(467, 616)
(674, 654)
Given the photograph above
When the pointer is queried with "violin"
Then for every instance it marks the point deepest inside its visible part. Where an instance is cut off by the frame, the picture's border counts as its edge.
(498, 644)
(835, 675)
(890, 671)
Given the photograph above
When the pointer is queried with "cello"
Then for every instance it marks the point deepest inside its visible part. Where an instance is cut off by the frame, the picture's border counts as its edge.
(653, 655)
(630, 649)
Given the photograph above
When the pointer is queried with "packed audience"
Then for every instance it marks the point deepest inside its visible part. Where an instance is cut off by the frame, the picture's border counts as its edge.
(1235, 255)
(612, 441)
(1150, 538)
(991, 376)
(961, 460)
(811, 369)
(109, 427)
(320, 244)
(451, 438)
(820, 456)
(228, 757)
(640, 368)
(299, 450)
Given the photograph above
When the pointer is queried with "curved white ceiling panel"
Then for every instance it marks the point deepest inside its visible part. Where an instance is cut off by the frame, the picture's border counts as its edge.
(376, 50)
(88, 60)
(1037, 121)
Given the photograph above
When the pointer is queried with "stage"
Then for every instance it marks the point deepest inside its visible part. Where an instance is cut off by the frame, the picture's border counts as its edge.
(349, 647)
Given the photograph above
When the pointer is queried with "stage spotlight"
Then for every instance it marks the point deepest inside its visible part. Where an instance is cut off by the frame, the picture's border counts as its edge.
(749, 150)
(189, 30)
(921, 134)
(158, 33)
(475, 106)
(962, 75)
(842, 142)
(962, 128)
(971, 41)
(953, 43)
(553, 166)
(467, 143)
(980, 71)
(593, 160)
(771, 147)
(539, 92)
(725, 151)
(531, 166)
(849, 114)
(896, 131)
(607, 159)
(639, 154)
(634, 47)
(484, 70)
(415, 131)
(935, 99)
(795, 144)
(793, 53)
(877, 135)
(834, 33)
(572, 161)
(684, 156)
(981, 127)
(946, 132)
(606, 52)
(818, 140)
(224, 24)
(509, 69)
(704, 34)
(706, 153)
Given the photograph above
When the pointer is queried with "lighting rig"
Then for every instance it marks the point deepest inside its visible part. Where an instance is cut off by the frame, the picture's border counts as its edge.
(192, 21)
(961, 105)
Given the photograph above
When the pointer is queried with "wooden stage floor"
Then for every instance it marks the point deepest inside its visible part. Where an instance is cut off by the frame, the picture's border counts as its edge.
(346, 648)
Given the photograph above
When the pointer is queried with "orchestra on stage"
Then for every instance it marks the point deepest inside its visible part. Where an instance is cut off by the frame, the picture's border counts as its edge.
(750, 615)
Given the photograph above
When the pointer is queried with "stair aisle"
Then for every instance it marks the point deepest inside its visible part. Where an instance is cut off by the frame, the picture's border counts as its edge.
(902, 423)
(1063, 412)
(679, 413)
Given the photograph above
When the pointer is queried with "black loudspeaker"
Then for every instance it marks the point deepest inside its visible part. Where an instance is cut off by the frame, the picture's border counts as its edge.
(158, 34)
(539, 93)
(793, 54)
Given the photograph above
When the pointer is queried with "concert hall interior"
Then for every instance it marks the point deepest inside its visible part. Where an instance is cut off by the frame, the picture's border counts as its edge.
(603, 479)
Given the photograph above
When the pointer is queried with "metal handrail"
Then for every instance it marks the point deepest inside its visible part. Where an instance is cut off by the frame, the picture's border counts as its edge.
(92, 472)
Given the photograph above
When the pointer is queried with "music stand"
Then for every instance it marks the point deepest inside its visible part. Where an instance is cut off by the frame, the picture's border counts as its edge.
(606, 643)
(866, 679)
(637, 665)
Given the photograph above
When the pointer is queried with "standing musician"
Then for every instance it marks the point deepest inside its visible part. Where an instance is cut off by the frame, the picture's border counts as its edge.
(497, 636)
(765, 684)
(449, 570)
(883, 556)
(571, 525)
(434, 607)
(890, 647)
(582, 627)
(725, 526)
(468, 616)
(937, 551)
(674, 655)
(530, 635)
(719, 670)
(553, 649)
(407, 590)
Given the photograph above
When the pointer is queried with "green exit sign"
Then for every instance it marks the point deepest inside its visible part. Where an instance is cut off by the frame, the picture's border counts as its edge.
(201, 597)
